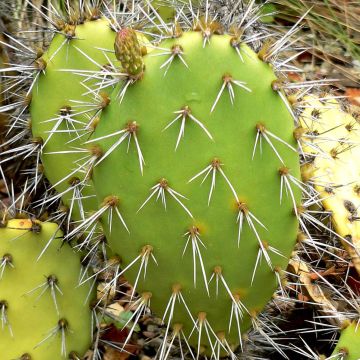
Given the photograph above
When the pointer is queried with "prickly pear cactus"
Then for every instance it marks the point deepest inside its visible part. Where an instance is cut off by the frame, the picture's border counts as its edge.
(198, 182)
(44, 314)
(331, 142)
(65, 108)
(195, 162)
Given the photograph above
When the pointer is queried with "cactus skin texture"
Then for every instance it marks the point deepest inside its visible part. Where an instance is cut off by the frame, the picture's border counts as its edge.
(166, 12)
(58, 103)
(28, 288)
(348, 346)
(222, 142)
(335, 136)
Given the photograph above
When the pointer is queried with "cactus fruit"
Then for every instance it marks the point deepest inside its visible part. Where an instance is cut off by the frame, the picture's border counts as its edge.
(331, 142)
(44, 314)
(202, 108)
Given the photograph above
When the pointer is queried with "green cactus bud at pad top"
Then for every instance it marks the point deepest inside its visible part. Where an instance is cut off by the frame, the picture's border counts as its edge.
(44, 313)
(199, 179)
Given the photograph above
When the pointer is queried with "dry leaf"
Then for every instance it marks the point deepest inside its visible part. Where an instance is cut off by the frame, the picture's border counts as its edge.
(353, 95)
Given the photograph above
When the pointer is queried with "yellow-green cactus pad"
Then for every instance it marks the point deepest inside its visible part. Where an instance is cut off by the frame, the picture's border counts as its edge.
(43, 312)
(331, 139)
(65, 108)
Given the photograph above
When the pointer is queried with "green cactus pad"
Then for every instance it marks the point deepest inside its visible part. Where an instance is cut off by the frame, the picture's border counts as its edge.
(348, 346)
(183, 80)
(59, 102)
(43, 311)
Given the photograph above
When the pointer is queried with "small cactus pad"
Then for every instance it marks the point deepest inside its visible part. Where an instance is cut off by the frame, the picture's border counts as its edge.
(348, 346)
(43, 312)
(65, 109)
(332, 142)
(197, 152)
